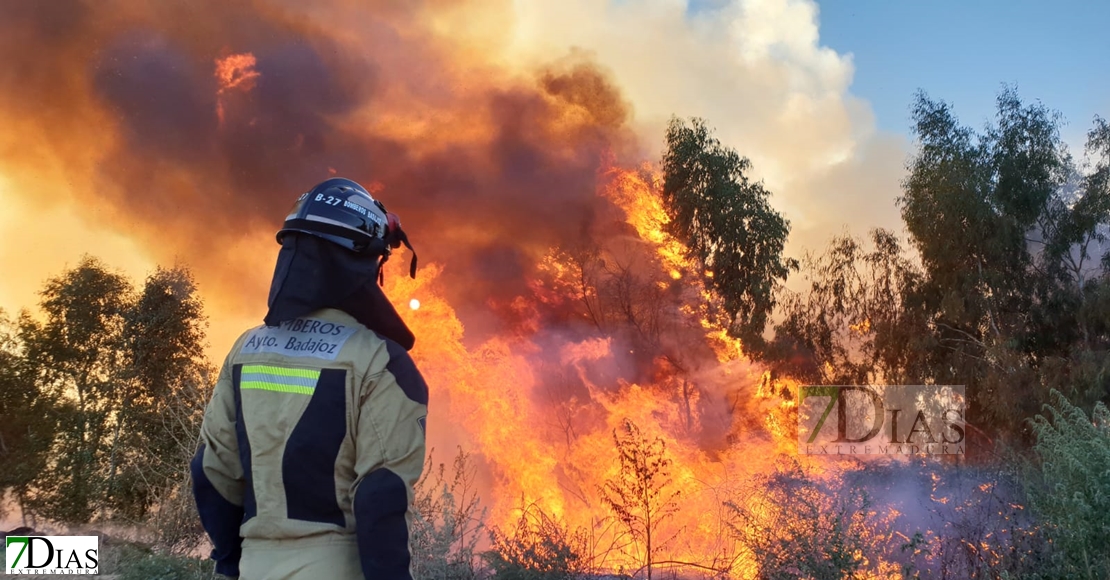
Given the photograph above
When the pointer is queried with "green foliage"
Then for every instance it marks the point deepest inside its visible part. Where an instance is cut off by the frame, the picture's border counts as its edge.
(75, 355)
(139, 564)
(167, 386)
(852, 314)
(538, 547)
(27, 421)
(726, 222)
(1004, 222)
(798, 527)
(102, 397)
(1005, 298)
(970, 199)
(1070, 487)
(640, 494)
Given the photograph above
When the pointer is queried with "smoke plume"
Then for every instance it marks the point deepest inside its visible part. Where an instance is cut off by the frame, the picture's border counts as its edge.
(183, 130)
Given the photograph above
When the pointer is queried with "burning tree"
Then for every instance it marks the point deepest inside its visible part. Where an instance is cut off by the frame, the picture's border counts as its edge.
(726, 221)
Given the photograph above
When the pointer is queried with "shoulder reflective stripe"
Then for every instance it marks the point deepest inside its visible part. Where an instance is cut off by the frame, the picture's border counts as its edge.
(279, 379)
(282, 371)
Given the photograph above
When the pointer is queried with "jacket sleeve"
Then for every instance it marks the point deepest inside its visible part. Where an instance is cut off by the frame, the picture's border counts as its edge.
(218, 479)
(389, 442)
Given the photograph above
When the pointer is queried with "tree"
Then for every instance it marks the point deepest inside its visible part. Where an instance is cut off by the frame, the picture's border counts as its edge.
(165, 390)
(27, 418)
(852, 324)
(1004, 222)
(76, 354)
(726, 222)
(1007, 295)
(639, 495)
(1078, 300)
(970, 235)
(101, 400)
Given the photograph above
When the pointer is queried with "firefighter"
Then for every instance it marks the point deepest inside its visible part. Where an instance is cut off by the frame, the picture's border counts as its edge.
(314, 436)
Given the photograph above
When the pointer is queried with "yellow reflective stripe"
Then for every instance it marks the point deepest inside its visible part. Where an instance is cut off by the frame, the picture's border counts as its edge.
(277, 387)
(282, 371)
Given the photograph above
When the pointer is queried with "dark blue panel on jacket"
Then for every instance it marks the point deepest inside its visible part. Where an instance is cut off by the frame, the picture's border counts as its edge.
(308, 465)
(250, 508)
(383, 535)
(404, 370)
(220, 519)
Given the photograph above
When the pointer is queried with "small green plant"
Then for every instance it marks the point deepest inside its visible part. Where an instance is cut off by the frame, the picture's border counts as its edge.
(137, 564)
(1069, 487)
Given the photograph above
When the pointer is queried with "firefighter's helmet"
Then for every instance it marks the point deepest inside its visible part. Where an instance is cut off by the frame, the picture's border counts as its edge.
(343, 212)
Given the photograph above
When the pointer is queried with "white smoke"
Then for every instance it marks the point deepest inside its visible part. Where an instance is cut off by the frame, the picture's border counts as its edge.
(757, 72)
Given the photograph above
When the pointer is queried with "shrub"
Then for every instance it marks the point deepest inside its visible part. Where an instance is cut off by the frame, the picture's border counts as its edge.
(137, 564)
(446, 521)
(1069, 487)
(175, 521)
(537, 548)
(797, 527)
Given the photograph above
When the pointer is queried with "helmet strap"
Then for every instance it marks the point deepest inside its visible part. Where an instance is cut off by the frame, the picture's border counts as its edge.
(381, 269)
(399, 235)
(396, 234)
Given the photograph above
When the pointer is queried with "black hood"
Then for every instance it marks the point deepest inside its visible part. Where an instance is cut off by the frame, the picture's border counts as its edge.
(313, 273)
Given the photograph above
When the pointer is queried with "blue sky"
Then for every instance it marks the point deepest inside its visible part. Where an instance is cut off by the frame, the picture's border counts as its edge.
(963, 51)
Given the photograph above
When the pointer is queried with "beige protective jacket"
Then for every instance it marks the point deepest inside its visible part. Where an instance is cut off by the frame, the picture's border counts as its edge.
(310, 448)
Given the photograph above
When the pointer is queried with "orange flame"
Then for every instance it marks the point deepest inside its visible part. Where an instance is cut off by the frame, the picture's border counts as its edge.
(537, 402)
(234, 72)
(546, 447)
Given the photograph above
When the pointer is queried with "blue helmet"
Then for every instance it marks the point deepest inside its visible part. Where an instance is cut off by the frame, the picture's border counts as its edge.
(342, 212)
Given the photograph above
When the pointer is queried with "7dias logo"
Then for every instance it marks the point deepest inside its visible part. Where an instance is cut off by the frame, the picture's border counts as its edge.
(37, 555)
(881, 420)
